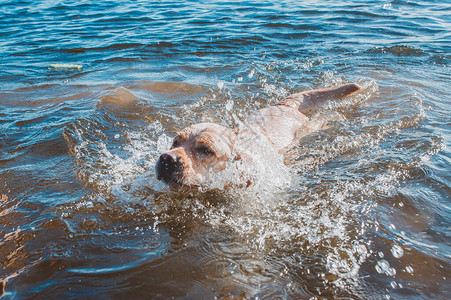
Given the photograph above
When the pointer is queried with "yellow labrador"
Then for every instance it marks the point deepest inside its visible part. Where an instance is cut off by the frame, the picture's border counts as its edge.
(202, 147)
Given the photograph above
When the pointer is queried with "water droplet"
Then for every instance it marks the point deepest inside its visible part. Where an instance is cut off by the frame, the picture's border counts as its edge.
(229, 105)
(221, 84)
(361, 249)
(397, 251)
(381, 254)
(391, 272)
(116, 136)
(409, 269)
(378, 269)
(382, 266)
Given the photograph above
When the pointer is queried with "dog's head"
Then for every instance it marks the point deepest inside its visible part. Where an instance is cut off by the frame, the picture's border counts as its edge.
(195, 150)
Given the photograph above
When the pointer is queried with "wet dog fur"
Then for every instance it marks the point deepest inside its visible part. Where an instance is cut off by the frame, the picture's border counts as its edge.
(205, 147)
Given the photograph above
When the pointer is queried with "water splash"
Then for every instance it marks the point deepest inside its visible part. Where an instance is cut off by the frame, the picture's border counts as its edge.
(256, 166)
(397, 251)
(269, 203)
(108, 165)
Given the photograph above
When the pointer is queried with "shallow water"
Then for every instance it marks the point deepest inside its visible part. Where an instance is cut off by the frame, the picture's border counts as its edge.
(92, 92)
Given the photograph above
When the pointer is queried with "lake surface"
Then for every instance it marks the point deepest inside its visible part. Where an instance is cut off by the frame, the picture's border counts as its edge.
(91, 92)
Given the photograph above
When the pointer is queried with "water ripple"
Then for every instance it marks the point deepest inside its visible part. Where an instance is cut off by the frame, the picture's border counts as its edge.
(363, 211)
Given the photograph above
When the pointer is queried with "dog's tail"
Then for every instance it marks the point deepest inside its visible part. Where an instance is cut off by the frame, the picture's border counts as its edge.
(309, 101)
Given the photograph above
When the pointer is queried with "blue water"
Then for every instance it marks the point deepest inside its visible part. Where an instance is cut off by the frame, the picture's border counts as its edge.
(92, 92)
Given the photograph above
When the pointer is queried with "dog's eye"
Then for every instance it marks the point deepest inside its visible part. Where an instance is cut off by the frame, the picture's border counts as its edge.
(175, 144)
(205, 150)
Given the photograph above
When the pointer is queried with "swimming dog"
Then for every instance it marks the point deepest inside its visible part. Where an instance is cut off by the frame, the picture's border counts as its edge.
(205, 147)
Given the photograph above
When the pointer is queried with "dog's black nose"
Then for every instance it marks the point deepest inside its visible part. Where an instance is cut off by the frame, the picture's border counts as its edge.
(168, 166)
(168, 158)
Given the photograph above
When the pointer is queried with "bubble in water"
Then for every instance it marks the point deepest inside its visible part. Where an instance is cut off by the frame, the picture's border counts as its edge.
(378, 269)
(221, 84)
(397, 251)
(391, 272)
(382, 266)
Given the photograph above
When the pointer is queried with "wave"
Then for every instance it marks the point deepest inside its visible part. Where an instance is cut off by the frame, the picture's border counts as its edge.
(400, 50)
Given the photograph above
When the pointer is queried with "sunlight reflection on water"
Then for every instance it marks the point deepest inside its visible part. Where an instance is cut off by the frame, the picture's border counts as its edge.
(358, 209)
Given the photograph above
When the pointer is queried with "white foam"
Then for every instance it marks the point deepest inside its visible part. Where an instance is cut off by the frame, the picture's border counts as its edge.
(112, 170)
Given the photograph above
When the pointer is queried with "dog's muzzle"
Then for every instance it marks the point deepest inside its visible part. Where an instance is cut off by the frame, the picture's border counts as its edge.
(169, 168)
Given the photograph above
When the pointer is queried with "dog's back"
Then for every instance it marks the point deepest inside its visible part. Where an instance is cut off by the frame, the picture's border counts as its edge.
(286, 122)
